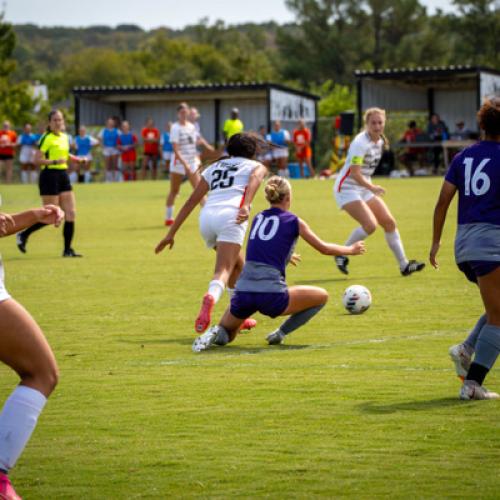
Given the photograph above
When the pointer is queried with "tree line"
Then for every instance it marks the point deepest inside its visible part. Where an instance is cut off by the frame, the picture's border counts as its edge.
(318, 52)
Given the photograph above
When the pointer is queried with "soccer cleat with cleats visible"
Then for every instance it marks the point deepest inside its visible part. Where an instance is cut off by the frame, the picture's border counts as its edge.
(462, 359)
(276, 338)
(205, 341)
(413, 266)
(471, 390)
(342, 261)
(169, 222)
(203, 320)
(21, 242)
(248, 324)
(71, 253)
(7, 491)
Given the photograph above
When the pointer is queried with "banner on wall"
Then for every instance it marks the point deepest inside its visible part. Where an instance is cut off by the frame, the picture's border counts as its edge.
(490, 85)
(291, 107)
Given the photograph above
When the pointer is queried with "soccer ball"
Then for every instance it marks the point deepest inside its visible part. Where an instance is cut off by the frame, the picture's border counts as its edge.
(357, 299)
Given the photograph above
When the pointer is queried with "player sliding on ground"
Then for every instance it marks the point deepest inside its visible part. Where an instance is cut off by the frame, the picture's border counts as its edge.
(262, 286)
(355, 193)
(24, 348)
(475, 174)
(231, 183)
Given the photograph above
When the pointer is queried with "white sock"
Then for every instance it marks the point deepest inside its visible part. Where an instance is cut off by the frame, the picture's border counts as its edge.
(73, 177)
(24, 176)
(396, 245)
(216, 289)
(109, 176)
(357, 235)
(87, 176)
(34, 176)
(230, 292)
(170, 212)
(17, 422)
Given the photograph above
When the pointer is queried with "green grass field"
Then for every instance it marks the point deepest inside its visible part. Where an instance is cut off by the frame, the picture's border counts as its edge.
(352, 406)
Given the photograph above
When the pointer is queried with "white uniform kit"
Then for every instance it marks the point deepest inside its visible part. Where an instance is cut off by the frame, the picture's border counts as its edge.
(185, 136)
(366, 154)
(3, 292)
(227, 181)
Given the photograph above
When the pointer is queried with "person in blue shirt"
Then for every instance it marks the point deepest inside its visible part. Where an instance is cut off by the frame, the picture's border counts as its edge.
(261, 286)
(27, 142)
(281, 139)
(166, 146)
(109, 142)
(82, 145)
(475, 175)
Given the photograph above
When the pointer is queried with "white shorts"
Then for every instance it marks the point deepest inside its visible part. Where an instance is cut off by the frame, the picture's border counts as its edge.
(110, 151)
(264, 158)
(4, 295)
(167, 155)
(348, 194)
(280, 153)
(27, 156)
(178, 168)
(219, 224)
(85, 157)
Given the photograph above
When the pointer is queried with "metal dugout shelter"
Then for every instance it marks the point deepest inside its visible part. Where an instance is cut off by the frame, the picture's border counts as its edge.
(259, 104)
(454, 92)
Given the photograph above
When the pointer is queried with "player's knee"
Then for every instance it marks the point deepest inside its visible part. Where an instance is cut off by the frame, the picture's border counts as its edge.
(369, 227)
(389, 225)
(323, 296)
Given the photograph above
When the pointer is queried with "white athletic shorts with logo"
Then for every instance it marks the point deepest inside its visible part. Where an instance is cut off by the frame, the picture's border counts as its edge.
(167, 155)
(4, 295)
(219, 225)
(110, 151)
(348, 194)
(178, 168)
(280, 153)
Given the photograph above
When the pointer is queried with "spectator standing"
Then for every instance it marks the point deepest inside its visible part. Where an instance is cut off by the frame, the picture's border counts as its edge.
(127, 144)
(109, 141)
(151, 140)
(281, 139)
(303, 151)
(27, 142)
(437, 132)
(83, 145)
(233, 125)
(8, 141)
(166, 146)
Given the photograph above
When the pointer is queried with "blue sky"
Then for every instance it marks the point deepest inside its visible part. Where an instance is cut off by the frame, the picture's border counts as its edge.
(153, 13)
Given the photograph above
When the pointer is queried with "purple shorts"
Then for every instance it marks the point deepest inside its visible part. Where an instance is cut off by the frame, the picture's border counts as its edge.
(474, 269)
(244, 304)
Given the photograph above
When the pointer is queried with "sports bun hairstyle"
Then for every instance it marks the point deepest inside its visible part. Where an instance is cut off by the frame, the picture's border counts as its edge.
(488, 117)
(276, 190)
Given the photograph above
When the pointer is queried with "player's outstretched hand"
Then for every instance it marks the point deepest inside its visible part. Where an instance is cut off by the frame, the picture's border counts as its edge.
(433, 254)
(168, 241)
(49, 214)
(358, 248)
(243, 215)
(5, 221)
(378, 190)
(295, 259)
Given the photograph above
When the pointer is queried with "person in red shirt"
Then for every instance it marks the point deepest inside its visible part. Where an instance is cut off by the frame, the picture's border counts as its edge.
(151, 139)
(411, 155)
(303, 151)
(8, 140)
(127, 143)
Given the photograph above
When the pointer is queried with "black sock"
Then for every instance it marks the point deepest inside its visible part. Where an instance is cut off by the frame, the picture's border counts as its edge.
(32, 229)
(68, 231)
(477, 372)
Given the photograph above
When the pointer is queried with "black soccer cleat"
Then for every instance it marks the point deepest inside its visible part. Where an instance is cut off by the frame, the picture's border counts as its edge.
(21, 242)
(71, 253)
(342, 263)
(413, 266)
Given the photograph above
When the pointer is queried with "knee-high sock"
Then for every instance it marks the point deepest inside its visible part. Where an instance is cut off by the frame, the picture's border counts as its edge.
(216, 289)
(357, 235)
(32, 229)
(17, 422)
(222, 336)
(488, 346)
(471, 340)
(33, 176)
(299, 319)
(68, 231)
(170, 212)
(24, 176)
(396, 245)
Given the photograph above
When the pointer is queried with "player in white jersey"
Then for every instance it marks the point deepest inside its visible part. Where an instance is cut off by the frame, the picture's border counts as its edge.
(231, 183)
(361, 199)
(185, 162)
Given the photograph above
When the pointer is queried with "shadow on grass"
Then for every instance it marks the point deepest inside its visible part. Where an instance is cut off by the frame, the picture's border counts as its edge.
(158, 341)
(236, 349)
(430, 404)
(344, 279)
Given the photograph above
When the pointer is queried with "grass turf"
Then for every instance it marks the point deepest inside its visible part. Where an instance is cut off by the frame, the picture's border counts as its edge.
(352, 406)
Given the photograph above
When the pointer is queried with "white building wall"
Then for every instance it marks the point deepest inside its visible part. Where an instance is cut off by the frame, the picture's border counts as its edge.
(456, 105)
(392, 97)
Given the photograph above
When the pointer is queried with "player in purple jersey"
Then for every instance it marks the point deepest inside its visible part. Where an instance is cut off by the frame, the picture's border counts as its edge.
(475, 174)
(261, 286)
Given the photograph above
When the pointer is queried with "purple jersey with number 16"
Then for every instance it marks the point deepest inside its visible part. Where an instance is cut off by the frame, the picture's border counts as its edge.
(476, 174)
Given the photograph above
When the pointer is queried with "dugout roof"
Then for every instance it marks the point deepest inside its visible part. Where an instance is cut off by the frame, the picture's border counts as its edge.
(454, 92)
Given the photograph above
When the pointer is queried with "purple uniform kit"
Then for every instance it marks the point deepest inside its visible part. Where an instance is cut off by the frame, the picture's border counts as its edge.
(261, 286)
(475, 172)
